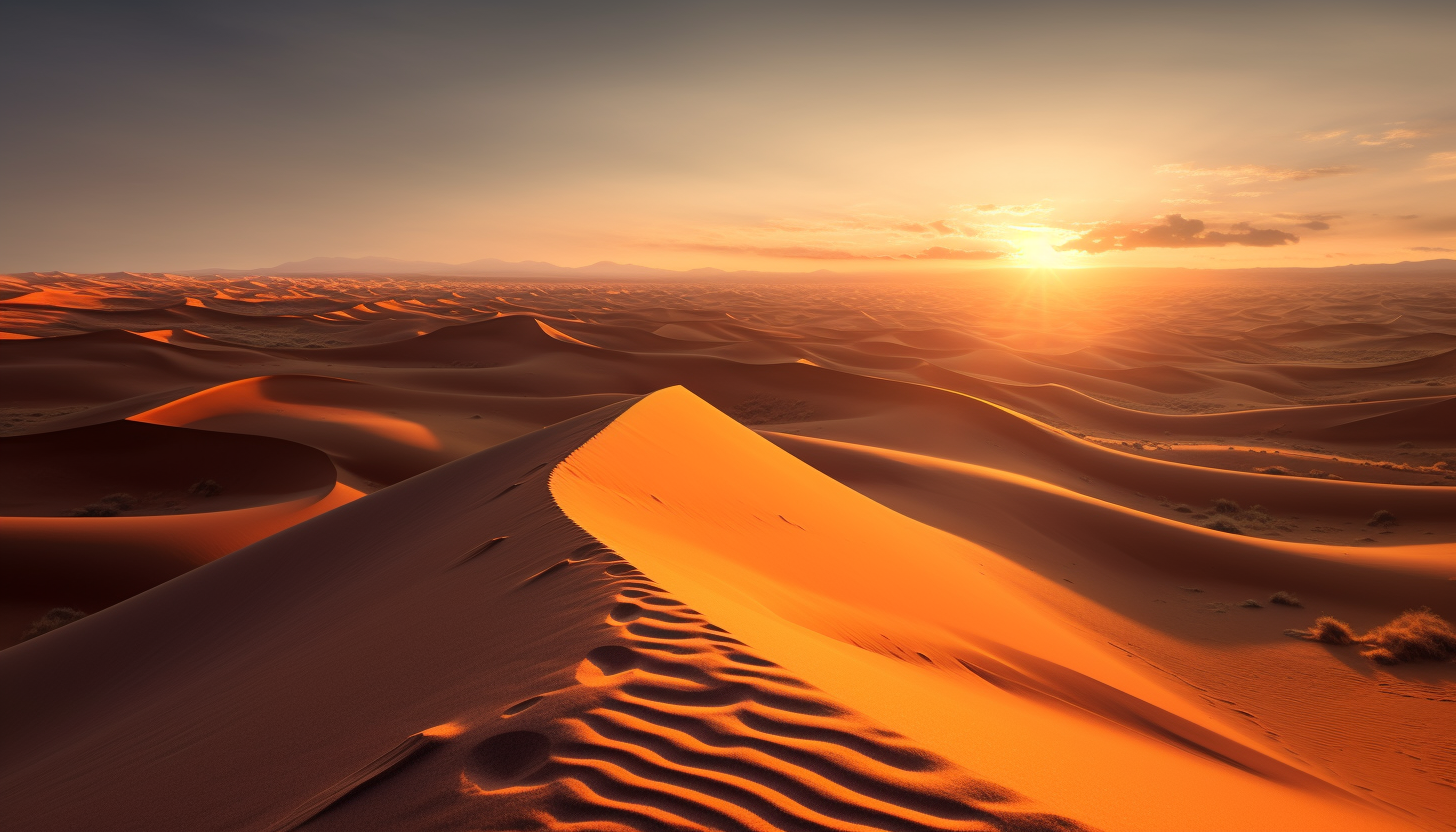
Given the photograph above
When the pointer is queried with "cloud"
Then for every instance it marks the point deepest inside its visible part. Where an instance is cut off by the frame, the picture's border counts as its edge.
(1444, 165)
(1324, 136)
(1181, 201)
(939, 253)
(1431, 248)
(1239, 174)
(1398, 135)
(816, 253)
(1175, 232)
(1314, 222)
(1014, 210)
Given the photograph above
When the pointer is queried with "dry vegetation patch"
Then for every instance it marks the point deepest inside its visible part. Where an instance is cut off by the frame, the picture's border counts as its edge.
(1417, 635)
(53, 620)
(770, 410)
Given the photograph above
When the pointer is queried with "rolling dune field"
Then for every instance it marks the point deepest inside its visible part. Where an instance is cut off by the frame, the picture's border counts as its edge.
(384, 553)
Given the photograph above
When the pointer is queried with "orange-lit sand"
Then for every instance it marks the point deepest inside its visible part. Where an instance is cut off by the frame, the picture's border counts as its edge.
(554, 578)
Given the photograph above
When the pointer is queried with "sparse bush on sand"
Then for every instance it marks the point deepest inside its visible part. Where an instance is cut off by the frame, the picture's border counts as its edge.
(95, 510)
(1223, 526)
(1382, 518)
(205, 488)
(764, 409)
(1285, 599)
(1251, 603)
(1281, 471)
(53, 620)
(1415, 636)
(122, 501)
(1327, 630)
(109, 506)
(1183, 508)
(1224, 505)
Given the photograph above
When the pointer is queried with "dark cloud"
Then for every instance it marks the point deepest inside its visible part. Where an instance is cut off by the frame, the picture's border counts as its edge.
(940, 253)
(1431, 248)
(1175, 232)
(1315, 225)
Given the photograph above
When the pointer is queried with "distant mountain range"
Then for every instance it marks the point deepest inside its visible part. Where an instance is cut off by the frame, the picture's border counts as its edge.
(489, 267)
(533, 269)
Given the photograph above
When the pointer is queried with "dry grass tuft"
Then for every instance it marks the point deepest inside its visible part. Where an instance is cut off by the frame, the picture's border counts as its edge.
(109, 506)
(1224, 505)
(764, 409)
(1327, 630)
(1223, 526)
(1382, 518)
(1417, 635)
(1251, 603)
(53, 620)
(1285, 598)
(205, 488)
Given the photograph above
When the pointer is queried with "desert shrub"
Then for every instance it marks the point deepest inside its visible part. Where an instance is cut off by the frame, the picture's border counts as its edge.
(1183, 508)
(53, 620)
(1278, 470)
(1251, 603)
(1223, 526)
(121, 500)
(1285, 598)
(1327, 630)
(95, 510)
(1382, 518)
(767, 410)
(205, 488)
(1223, 505)
(1417, 635)
(1257, 514)
(1323, 475)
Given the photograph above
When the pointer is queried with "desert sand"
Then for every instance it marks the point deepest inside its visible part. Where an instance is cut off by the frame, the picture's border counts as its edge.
(425, 554)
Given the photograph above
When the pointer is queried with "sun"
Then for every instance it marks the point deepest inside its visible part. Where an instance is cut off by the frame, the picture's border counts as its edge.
(1038, 253)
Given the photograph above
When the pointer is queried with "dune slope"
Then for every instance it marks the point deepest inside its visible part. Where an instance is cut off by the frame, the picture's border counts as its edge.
(451, 653)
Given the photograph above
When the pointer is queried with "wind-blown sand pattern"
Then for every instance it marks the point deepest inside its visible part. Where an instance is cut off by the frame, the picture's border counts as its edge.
(493, 556)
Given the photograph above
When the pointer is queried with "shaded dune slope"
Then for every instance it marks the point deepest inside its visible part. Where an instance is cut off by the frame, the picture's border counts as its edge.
(394, 663)
(165, 528)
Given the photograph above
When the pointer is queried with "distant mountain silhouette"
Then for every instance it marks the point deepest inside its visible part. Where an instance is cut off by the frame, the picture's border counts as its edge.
(535, 269)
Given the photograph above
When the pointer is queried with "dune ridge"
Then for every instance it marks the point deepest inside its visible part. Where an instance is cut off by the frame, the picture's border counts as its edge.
(667, 722)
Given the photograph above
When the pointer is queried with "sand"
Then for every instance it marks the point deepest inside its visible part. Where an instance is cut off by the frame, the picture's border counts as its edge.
(624, 556)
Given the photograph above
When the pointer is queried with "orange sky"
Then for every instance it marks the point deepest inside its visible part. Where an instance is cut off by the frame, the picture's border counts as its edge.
(925, 136)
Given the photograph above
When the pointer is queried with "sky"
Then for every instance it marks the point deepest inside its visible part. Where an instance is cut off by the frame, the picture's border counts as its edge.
(783, 136)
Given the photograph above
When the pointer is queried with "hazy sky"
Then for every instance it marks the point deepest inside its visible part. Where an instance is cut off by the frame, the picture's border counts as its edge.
(782, 136)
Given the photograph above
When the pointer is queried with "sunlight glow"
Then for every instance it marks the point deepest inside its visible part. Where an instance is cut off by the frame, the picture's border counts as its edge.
(1038, 251)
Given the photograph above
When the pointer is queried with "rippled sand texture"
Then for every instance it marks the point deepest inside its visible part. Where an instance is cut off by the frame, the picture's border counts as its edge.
(722, 556)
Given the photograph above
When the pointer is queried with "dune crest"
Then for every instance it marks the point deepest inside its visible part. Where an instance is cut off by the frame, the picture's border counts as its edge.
(793, 561)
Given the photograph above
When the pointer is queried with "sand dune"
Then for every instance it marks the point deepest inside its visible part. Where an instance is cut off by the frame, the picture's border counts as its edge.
(506, 556)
